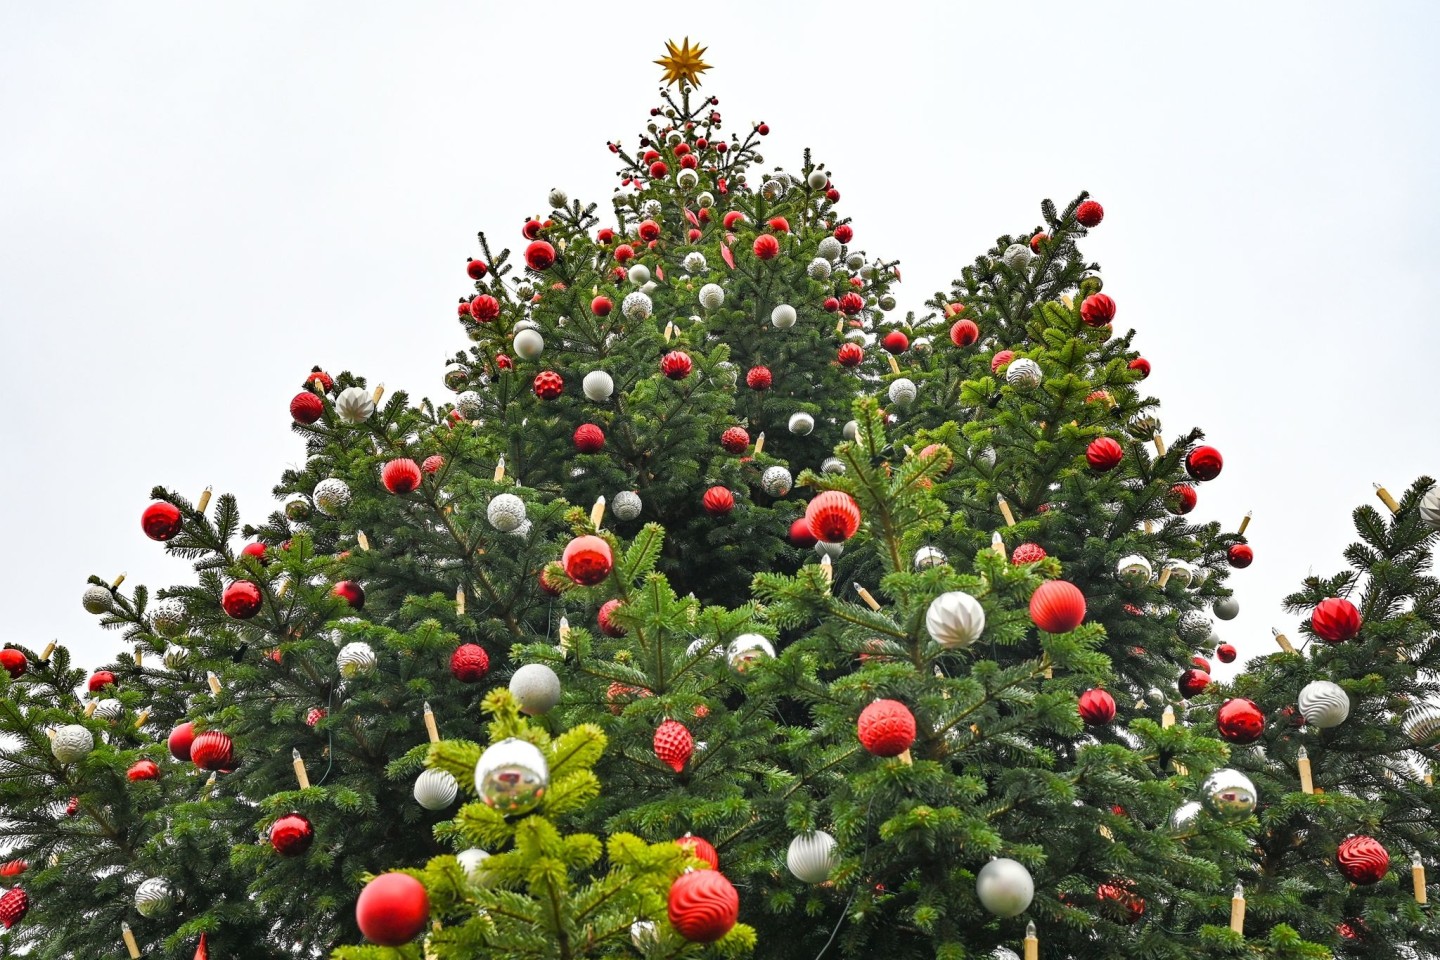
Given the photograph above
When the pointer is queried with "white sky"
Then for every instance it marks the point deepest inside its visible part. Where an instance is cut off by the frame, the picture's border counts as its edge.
(198, 202)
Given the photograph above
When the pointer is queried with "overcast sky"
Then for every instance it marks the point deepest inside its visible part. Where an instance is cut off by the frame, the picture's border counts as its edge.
(200, 201)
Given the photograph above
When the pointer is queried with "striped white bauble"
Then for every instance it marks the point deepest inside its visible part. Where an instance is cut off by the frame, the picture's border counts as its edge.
(1430, 508)
(435, 789)
(154, 897)
(812, 856)
(1023, 374)
(355, 660)
(1323, 704)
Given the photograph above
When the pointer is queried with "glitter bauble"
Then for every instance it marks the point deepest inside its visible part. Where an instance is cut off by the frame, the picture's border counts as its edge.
(470, 404)
(627, 505)
(1193, 627)
(97, 599)
(776, 481)
(536, 689)
(812, 856)
(1004, 887)
(1229, 795)
(637, 306)
(902, 392)
(506, 512)
(955, 619)
(512, 776)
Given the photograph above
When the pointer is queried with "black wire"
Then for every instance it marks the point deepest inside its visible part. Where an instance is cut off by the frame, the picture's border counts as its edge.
(845, 912)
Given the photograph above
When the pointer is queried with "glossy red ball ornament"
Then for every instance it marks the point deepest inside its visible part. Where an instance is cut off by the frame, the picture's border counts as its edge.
(548, 385)
(850, 354)
(401, 476)
(1204, 463)
(831, 305)
(703, 906)
(13, 662)
(1057, 606)
(291, 835)
(1193, 682)
(548, 578)
(1097, 707)
(758, 378)
(161, 520)
(432, 464)
(484, 308)
(766, 247)
(964, 332)
(1097, 310)
(676, 365)
(1335, 620)
(1181, 499)
(1036, 240)
(14, 904)
(476, 269)
(257, 551)
(469, 663)
(1089, 213)
(1240, 555)
(1141, 366)
(392, 910)
(589, 438)
(212, 750)
(601, 306)
(673, 744)
(180, 740)
(718, 501)
(463, 309)
(99, 680)
(851, 304)
(1201, 663)
(13, 868)
(1001, 360)
(800, 534)
(701, 849)
(143, 770)
(648, 230)
(1131, 904)
(886, 728)
(587, 560)
(1027, 553)
(306, 407)
(1240, 721)
(605, 619)
(1363, 860)
(735, 440)
(530, 230)
(1104, 454)
(539, 255)
(833, 516)
(844, 233)
(351, 592)
(896, 342)
(1225, 653)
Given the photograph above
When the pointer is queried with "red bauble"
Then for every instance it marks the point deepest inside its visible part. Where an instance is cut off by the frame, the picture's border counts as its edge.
(732, 218)
(648, 230)
(623, 254)
(392, 909)
(351, 592)
(432, 464)
(604, 235)
(1141, 366)
(143, 770)
(587, 560)
(469, 663)
(13, 906)
(850, 354)
(539, 255)
(530, 230)
(766, 247)
(256, 550)
(1240, 721)
(831, 304)
(1027, 553)
(291, 835)
(13, 868)
(13, 662)
(1201, 664)
(1097, 707)
(735, 440)
(1057, 606)
(401, 476)
(758, 378)
(1193, 682)
(676, 365)
(703, 906)
(314, 715)
(964, 332)
(851, 304)
(605, 619)
(1038, 239)
(779, 224)
(1225, 653)
(476, 269)
(1362, 860)
(833, 516)
(1104, 454)
(99, 680)
(484, 308)
(212, 750)
(700, 849)
(601, 306)
(800, 534)
(674, 744)
(548, 385)
(844, 233)
(1120, 893)
(161, 520)
(1001, 360)
(320, 377)
(589, 438)
(180, 740)
(306, 407)
(1335, 620)
(1097, 310)
(1089, 213)
(658, 169)
(896, 342)
(462, 309)
(1181, 498)
(718, 501)
(549, 582)
(1204, 463)
(886, 728)
(1240, 555)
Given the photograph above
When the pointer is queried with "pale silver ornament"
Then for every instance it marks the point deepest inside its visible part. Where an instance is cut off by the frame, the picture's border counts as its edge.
(354, 404)
(505, 512)
(332, 496)
(1017, 256)
(712, 296)
(526, 324)
(984, 456)
(1023, 374)
(637, 306)
(528, 344)
(1181, 573)
(704, 646)
(627, 505)
(902, 391)
(812, 856)
(524, 291)
(772, 189)
(435, 789)
(72, 742)
(687, 179)
(597, 385)
(97, 599)
(1226, 608)
(819, 268)
(1004, 953)
(817, 179)
(535, 688)
(644, 935)
(472, 862)
(355, 659)
(855, 261)
(705, 199)
(921, 345)
(650, 209)
(167, 618)
(1323, 704)
(832, 465)
(1421, 723)
(108, 710)
(1229, 795)
(1430, 508)
(1005, 887)
(885, 302)
(728, 373)
(512, 776)
(830, 249)
(776, 481)
(955, 620)
(747, 650)
(1186, 817)
(694, 262)
(469, 404)
(639, 274)
(1193, 627)
(557, 198)
(868, 271)
(928, 556)
(783, 317)
(1134, 570)
(154, 897)
(801, 423)
(851, 430)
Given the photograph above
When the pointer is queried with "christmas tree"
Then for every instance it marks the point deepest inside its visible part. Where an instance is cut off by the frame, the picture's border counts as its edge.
(891, 631)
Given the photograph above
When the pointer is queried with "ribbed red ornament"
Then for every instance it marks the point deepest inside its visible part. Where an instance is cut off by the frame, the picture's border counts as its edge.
(648, 230)
(13, 868)
(432, 464)
(548, 385)
(833, 516)
(605, 618)
(161, 520)
(1097, 310)
(844, 233)
(394, 907)
(673, 744)
(700, 849)
(1225, 653)
(850, 354)
(718, 501)
(1335, 620)
(766, 247)
(676, 365)
(401, 476)
(1240, 555)
(1001, 360)
(758, 378)
(703, 906)
(1193, 682)
(1097, 707)
(1240, 721)
(886, 728)
(212, 750)
(180, 740)
(469, 663)
(13, 906)
(316, 376)
(1362, 860)
(1204, 463)
(484, 308)
(964, 332)
(1181, 499)
(1104, 454)
(1089, 214)
(242, 599)
(291, 835)
(800, 534)
(587, 560)
(946, 455)
(851, 304)
(1027, 553)
(539, 255)
(831, 304)
(1057, 606)
(305, 407)
(896, 342)
(589, 438)
(735, 440)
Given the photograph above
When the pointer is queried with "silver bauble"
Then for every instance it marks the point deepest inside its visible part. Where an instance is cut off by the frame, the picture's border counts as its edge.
(522, 531)
(535, 688)
(1229, 795)
(505, 512)
(776, 481)
(816, 180)
(154, 897)
(470, 405)
(1017, 256)
(1004, 953)
(704, 646)
(1226, 608)
(472, 862)
(1421, 723)
(1023, 374)
(747, 650)
(819, 269)
(851, 430)
(927, 557)
(833, 465)
(332, 496)
(636, 306)
(920, 345)
(72, 742)
(97, 599)
(712, 296)
(354, 404)
(1193, 627)
(812, 856)
(854, 261)
(650, 209)
(512, 776)
(772, 189)
(783, 317)
(1005, 887)
(706, 199)
(1134, 570)
(435, 789)
(1186, 816)
(687, 179)
(830, 249)
(955, 619)
(1323, 704)
(167, 618)
(985, 456)
(524, 291)
(597, 385)
(1430, 508)
(1181, 573)
(638, 274)
(824, 548)
(801, 423)
(626, 505)
(644, 935)
(355, 659)
(108, 710)
(528, 344)
(885, 302)
(694, 262)
(902, 391)
(526, 324)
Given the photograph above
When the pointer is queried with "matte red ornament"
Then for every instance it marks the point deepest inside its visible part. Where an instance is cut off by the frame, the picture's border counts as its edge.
(703, 906)
(539, 255)
(212, 750)
(432, 464)
(475, 269)
(1057, 606)
(1225, 653)
(779, 224)
(1097, 310)
(658, 169)
(648, 230)
(484, 308)
(13, 662)
(624, 253)
(351, 592)
(601, 306)
(964, 332)
(850, 354)
(291, 835)
(469, 663)
(676, 365)
(1104, 454)
(735, 440)
(766, 247)
(13, 868)
(401, 476)
(161, 520)
(1097, 707)
(831, 304)
(732, 218)
(316, 376)
(800, 534)
(1335, 620)
(1181, 499)
(1363, 860)
(886, 728)
(605, 618)
(1240, 721)
(143, 770)
(1204, 463)
(1193, 682)
(1027, 553)
(1141, 366)
(589, 438)
(1089, 214)
(604, 235)
(844, 233)
(548, 385)
(462, 309)
(392, 909)
(587, 560)
(180, 740)
(701, 849)
(306, 407)
(13, 907)
(1119, 893)
(72, 807)
(1001, 360)
(758, 378)
(673, 744)
(896, 342)
(99, 680)
(833, 516)
(718, 501)
(851, 304)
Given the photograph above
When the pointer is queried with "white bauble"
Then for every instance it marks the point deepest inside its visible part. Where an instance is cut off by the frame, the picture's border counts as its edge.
(817, 179)
(1005, 887)
(830, 249)
(626, 505)
(728, 373)
(332, 496)
(851, 430)
(512, 776)
(1421, 723)
(526, 324)
(1226, 608)
(72, 742)
(812, 856)
(783, 317)
(1430, 508)
(832, 465)
(984, 456)
(1323, 704)
(154, 897)
(824, 548)
(97, 599)
(557, 198)
(1023, 374)
(868, 271)
(706, 199)
(927, 557)
(855, 261)
(523, 531)
(472, 862)
(469, 405)
(505, 512)
(355, 659)
(535, 688)
(167, 618)
(1017, 256)
(435, 789)
(747, 650)
(529, 344)
(354, 404)
(955, 620)
(694, 262)
(1134, 570)
(597, 385)
(108, 710)
(776, 481)
(902, 391)
(639, 274)
(712, 296)
(819, 268)
(801, 423)
(687, 179)
(636, 306)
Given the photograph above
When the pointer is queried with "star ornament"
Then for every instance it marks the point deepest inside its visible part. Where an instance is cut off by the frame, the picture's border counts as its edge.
(682, 63)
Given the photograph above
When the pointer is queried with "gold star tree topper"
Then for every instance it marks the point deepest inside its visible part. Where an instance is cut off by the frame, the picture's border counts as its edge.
(682, 63)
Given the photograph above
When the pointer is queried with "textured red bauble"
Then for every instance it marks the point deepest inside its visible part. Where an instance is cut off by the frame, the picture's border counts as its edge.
(673, 744)
(432, 464)
(676, 365)
(1089, 213)
(766, 247)
(1104, 454)
(1362, 860)
(1181, 498)
(314, 715)
(1240, 555)
(964, 332)
(143, 770)
(1120, 893)
(539, 255)
(1240, 721)
(758, 378)
(469, 663)
(548, 385)
(13, 662)
(589, 438)
(604, 235)
(779, 224)
(703, 906)
(896, 342)
(463, 309)
(886, 728)
(732, 218)
(1335, 620)
(1204, 463)
(800, 534)
(844, 233)
(1057, 606)
(851, 304)
(831, 304)
(180, 740)
(1225, 653)
(850, 354)
(601, 306)
(401, 476)
(1193, 682)
(161, 520)
(351, 592)
(648, 230)
(700, 849)
(320, 377)
(306, 407)
(476, 269)
(13, 906)
(484, 308)
(1141, 366)
(1027, 553)
(587, 560)
(1001, 360)
(658, 169)
(1097, 707)
(735, 440)
(833, 516)
(212, 750)
(99, 680)
(291, 835)
(623, 254)
(718, 501)
(13, 868)
(392, 909)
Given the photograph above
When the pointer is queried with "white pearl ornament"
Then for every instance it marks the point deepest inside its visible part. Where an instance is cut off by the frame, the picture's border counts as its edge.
(902, 391)
(72, 742)
(776, 481)
(529, 344)
(636, 306)
(354, 404)
(783, 317)
(96, 599)
(597, 385)
(1005, 887)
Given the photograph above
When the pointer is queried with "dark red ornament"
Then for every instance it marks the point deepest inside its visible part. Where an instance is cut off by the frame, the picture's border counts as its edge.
(601, 306)
(1027, 553)
(673, 744)
(1193, 682)
(1038, 239)
(676, 365)
(530, 230)
(401, 476)
(589, 438)
(1335, 620)
(319, 377)
(469, 663)
(1181, 499)
(99, 680)
(1141, 366)
(242, 599)
(896, 342)
(161, 520)
(1204, 463)
(476, 269)
(1363, 860)
(257, 551)
(180, 740)
(800, 534)
(587, 560)
(833, 516)
(13, 662)
(658, 169)
(548, 385)
(851, 304)
(1240, 721)
(1057, 606)
(1097, 707)
(735, 440)
(604, 618)
(964, 332)
(701, 849)
(758, 378)
(1089, 213)
(718, 501)
(886, 728)
(1097, 310)
(766, 247)
(648, 230)
(1201, 663)
(392, 909)
(1120, 894)
(703, 906)
(539, 255)
(831, 305)
(212, 750)
(306, 407)
(1240, 555)
(291, 835)
(1104, 454)
(1225, 653)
